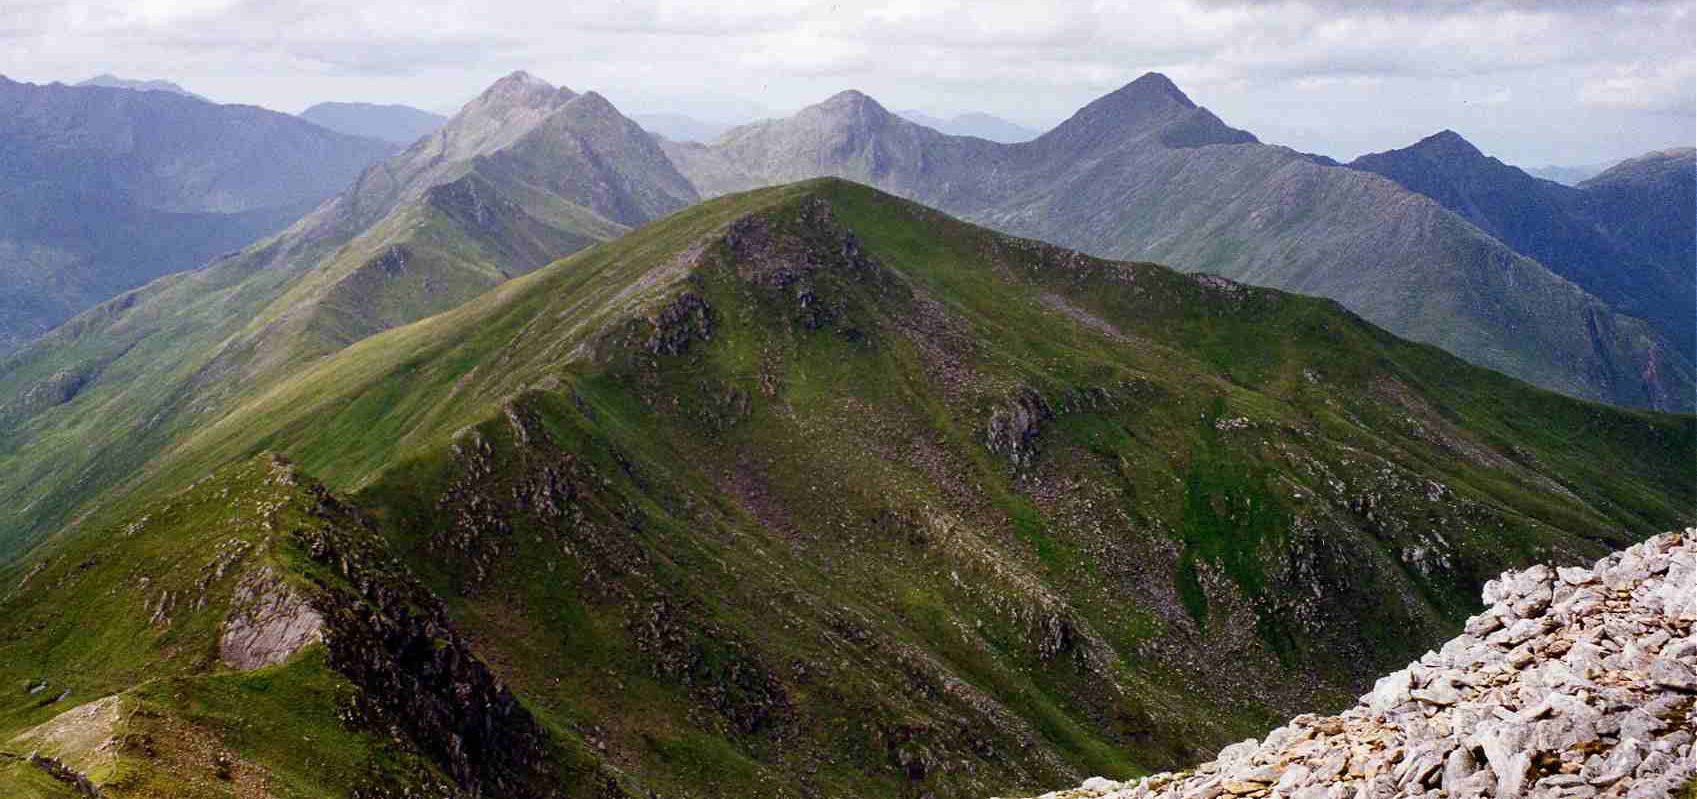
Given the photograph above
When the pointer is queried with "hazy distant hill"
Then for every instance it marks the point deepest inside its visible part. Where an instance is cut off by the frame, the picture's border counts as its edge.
(1567, 175)
(104, 189)
(984, 126)
(110, 81)
(681, 127)
(1628, 238)
(1145, 173)
(400, 124)
(524, 174)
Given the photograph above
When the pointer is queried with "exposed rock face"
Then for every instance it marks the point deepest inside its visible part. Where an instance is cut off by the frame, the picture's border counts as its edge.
(392, 638)
(1573, 683)
(269, 621)
(1013, 428)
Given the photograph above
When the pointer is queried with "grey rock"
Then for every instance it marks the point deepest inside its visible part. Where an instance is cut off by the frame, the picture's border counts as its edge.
(1670, 673)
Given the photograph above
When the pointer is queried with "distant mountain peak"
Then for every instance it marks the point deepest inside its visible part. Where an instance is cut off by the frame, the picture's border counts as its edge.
(524, 89)
(1151, 86)
(1447, 142)
(1152, 102)
(1150, 97)
(108, 80)
(853, 99)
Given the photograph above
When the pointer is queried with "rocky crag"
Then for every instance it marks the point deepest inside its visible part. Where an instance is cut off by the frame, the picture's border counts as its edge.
(1573, 683)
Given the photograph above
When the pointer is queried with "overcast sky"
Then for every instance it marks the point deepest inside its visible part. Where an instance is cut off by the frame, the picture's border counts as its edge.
(1564, 82)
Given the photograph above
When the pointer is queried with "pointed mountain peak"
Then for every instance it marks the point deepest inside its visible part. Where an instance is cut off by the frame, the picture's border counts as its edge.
(1446, 143)
(1149, 98)
(849, 97)
(855, 102)
(1152, 87)
(1150, 103)
(521, 88)
(851, 108)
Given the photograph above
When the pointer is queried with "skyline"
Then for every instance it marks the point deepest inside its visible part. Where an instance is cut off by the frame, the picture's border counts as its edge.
(1534, 84)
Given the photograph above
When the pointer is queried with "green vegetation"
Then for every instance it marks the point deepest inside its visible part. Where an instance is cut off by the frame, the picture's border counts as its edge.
(812, 490)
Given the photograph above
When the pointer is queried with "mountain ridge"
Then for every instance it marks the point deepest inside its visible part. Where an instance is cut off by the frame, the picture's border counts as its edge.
(1141, 514)
(1143, 172)
(1601, 246)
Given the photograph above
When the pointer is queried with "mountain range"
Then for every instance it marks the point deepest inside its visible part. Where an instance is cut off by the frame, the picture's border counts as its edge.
(1623, 235)
(1145, 173)
(108, 188)
(401, 124)
(551, 458)
(809, 489)
(525, 173)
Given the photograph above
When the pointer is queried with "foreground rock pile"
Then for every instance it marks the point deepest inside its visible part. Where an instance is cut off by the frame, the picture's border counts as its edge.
(1573, 683)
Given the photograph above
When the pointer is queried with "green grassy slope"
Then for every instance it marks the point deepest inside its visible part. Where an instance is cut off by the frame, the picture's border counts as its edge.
(111, 652)
(92, 405)
(134, 612)
(812, 490)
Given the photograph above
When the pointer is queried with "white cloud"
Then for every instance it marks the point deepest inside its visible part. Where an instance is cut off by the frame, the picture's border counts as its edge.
(1355, 73)
(1666, 86)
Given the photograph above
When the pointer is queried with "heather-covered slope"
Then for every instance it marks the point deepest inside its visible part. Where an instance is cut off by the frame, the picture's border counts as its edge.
(815, 490)
(524, 174)
(1631, 241)
(1145, 173)
(104, 189)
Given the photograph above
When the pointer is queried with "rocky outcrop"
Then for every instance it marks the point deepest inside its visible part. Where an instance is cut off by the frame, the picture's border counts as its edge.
(1574, 682)
(269, 621)
(391, 637)
(1013, 428)
(68, 746)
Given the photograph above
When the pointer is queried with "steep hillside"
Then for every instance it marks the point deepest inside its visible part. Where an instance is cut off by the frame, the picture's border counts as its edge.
(252, 637)
(1572, 682)
(400, 124)
(1649, 200)
(1145, 173)
(1636, 251)
(104, 189)
(813, 490)
(524, 174)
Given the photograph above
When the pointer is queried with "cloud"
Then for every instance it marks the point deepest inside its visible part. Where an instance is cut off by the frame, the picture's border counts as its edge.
(1659, 86)
(1350, 69)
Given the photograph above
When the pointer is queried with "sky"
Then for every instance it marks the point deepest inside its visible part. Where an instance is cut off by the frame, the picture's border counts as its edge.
(1567, 82)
